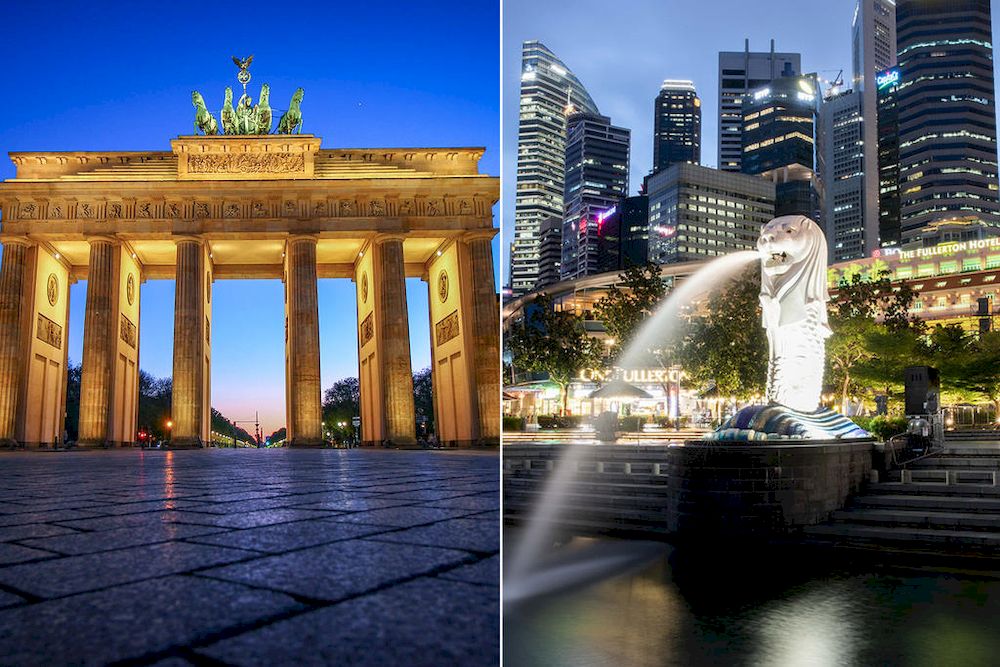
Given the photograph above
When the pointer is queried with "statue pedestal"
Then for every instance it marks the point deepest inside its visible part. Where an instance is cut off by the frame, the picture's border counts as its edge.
(777, 422)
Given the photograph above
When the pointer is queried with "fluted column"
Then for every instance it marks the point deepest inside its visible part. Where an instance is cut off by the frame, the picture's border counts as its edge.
(12, 276)
(305, 408)
(187, 403)
(99, 340)
(485, 334)
(396, 375)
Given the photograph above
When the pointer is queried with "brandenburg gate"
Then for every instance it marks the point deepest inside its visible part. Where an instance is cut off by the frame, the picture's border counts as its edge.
(238, 207)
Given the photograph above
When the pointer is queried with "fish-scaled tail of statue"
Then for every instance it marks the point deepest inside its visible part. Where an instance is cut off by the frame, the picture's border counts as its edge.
(793, 300)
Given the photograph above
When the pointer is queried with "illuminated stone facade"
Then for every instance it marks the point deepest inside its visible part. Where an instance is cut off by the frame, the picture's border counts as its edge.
(238, 207)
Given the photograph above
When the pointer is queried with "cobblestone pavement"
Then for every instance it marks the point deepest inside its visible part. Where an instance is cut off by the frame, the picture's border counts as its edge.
(249, 557)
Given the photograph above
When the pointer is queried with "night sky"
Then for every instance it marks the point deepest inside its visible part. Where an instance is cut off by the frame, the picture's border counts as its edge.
(118, 76)
(623, 51)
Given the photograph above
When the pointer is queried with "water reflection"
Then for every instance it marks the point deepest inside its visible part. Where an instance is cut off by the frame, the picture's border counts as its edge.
(725, 607)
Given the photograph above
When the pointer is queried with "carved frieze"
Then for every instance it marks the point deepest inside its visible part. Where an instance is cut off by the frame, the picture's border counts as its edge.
(446, 328)
(144, 210)
(115, 210)
(49, 332)
(367, 330)
(127, 332)
(231, 210)
(376, 208)
(246, 163)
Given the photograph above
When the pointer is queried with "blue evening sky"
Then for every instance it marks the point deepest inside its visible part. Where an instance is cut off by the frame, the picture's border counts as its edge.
(119, 75)
(622, 51)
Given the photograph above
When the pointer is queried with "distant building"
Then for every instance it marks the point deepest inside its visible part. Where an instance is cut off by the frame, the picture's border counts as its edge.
(635, 230)
(546, 87)
(549, 251)
(676, 125)
(841, 153)
(947, 121)
(779, 142)
(739, 73)
(873, 34)
(596, 178)
(887, 85)
(696, 212)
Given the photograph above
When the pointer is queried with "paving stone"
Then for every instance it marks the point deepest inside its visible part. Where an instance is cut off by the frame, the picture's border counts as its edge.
(43, 517)
(253, 519)
(26, 531)
(287, 536)
(401, 516)
(83, 543)
(335, 571)
(9, 599)
(130, 621)
(425, 622)
(75, 574)
(123, 521)
(486, 571)
(14, 553)
(477, 502)
(356, 504)
(483, 536)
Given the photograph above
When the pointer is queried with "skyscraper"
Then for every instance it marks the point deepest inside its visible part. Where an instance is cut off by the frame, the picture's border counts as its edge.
(887, 87)
(697, 213)
(596, 169)
(779, 140)
(676, 125)
(547, 86)
(873, 33)
(841, 153)
(739, 73)
(947, 121)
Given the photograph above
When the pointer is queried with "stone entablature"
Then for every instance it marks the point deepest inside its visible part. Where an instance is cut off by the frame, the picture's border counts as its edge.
(236, 158)
(331, 163)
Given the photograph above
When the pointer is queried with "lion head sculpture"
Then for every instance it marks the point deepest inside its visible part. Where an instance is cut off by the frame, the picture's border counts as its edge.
(793, 268)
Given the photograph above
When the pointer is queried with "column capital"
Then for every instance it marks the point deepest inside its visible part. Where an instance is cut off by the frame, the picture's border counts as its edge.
(477, 234)
(102, 238)
(16, 240)
(296, 238)
(187, 238)
(388, 236)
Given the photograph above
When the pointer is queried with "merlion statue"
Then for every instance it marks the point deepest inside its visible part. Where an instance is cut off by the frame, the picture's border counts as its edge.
(793, 296)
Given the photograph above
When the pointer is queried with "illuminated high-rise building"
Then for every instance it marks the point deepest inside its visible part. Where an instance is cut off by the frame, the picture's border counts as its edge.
(597, 160)
(739, 73)
(547, 88)
(676, 125)
(947, 121)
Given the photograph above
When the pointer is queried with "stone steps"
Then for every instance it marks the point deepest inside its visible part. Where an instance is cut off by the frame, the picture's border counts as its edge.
(905, 536)
(916, 500)
(921, 518)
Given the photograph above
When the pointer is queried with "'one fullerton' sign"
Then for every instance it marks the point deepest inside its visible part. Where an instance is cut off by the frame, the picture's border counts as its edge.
(632, 375)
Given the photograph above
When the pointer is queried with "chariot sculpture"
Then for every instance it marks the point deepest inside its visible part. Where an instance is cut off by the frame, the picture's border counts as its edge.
(247, 118)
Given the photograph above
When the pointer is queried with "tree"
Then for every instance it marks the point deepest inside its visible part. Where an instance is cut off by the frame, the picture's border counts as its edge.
(553, 342)
(74, 374)
(874, 335)
(727, 346)
(978, 368)
(624, 309)
(341, 403)
(423, 395)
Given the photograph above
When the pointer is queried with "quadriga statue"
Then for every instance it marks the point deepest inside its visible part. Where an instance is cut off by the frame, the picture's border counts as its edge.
(793, 300)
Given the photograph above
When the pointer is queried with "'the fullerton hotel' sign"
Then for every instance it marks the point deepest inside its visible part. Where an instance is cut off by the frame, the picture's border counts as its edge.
(632, 375)
(949, 248)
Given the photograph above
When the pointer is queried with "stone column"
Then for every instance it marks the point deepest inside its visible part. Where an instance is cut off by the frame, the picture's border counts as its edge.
(394, 329)
(486, 334)
(99, 341)
(305, 408)
(187, 403)
(12, 277)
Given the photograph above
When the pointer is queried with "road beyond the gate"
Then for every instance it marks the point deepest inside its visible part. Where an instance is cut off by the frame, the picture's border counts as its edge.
(248, 557)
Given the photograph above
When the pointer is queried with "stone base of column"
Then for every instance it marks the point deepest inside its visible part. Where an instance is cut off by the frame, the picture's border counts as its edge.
(304, 443)
(185, 443)
(9, 443)
(94, 445)
(481, 443)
